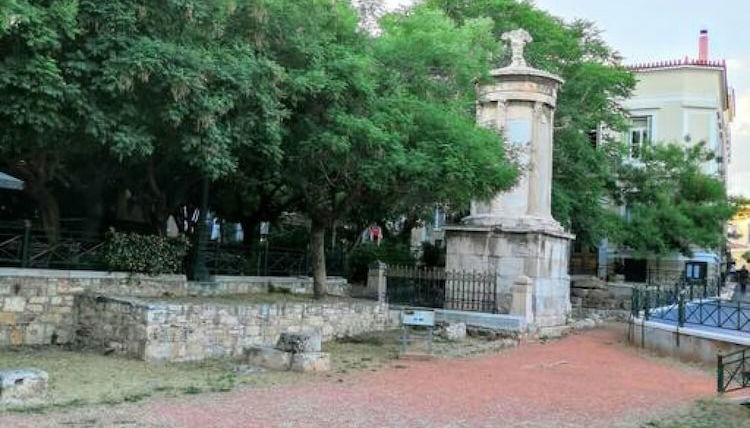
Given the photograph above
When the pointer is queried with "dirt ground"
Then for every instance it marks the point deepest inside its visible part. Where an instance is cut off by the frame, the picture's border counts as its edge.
(585, 380)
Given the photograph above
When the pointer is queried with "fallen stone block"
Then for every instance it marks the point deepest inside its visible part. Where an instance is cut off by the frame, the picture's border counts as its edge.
(299, 342)
(583, 324)
(311, 362)
(23, 387)
(555, 332)
(454, 331)
(268, 358)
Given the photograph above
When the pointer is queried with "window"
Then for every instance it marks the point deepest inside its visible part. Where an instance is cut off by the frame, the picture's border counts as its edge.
(639, 135)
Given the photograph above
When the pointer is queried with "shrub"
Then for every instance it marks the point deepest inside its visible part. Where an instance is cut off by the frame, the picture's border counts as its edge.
(150, 254)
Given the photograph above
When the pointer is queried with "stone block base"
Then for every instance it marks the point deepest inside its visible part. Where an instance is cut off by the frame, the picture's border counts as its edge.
(275, 359)
(268, 358)
(311, 362)
(541, 255)
(453, 331)
(23, 387)
(299, 342)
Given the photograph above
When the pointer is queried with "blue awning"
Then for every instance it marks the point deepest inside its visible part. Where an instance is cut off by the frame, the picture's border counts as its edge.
(10, 182)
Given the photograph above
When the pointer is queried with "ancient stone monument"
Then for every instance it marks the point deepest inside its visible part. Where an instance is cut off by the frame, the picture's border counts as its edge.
(514, 234)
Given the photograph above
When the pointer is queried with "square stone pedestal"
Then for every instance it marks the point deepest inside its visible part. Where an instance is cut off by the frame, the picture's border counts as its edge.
(541, 254)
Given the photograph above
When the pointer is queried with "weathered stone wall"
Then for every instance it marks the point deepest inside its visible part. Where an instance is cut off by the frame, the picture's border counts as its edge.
(164, 331)
(115, 324)
(37, 306)
(590, 295)
(36, 311)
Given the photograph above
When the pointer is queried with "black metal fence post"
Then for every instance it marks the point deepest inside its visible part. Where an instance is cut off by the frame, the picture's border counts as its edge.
(25, 244)
(681, 310)
(265, 259)
(718, 313)
(739, 312)
(720, 373)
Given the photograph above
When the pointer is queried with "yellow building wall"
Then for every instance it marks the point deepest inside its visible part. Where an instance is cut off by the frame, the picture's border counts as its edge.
(739, 241)
(686, 106)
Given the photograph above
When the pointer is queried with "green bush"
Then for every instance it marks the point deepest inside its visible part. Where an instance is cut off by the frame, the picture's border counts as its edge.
(360, 258)
(150, 254)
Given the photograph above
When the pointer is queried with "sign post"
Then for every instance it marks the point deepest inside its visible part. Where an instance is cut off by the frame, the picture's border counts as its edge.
(410, 318)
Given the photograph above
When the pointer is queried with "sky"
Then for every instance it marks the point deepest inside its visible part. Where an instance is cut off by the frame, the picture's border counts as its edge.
(656, 30)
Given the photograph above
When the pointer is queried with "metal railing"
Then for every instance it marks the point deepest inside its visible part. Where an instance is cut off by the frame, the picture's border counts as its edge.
(25, 246)
(243, 261)
(695, 305)
(22, 245)
(438, 288)
(733, 371)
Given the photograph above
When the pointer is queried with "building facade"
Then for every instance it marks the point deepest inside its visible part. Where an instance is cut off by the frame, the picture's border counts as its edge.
(684, 101)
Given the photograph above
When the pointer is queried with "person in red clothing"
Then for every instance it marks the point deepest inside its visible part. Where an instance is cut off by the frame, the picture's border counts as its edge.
(376, 234)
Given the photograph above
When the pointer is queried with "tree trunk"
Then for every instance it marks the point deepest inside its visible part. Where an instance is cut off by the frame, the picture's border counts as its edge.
(49, 211)
(317, 249)
(250, 233)
(94, 207)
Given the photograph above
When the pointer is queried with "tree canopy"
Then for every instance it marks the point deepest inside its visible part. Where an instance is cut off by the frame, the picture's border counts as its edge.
(376, 120)
(671, 203)
(116, 110)
(283, 104)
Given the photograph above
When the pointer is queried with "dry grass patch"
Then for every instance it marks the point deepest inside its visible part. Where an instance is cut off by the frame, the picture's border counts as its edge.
(707, 414)
(86, 377)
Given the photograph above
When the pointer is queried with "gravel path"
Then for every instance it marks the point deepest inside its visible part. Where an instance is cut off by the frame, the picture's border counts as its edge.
(588, 379)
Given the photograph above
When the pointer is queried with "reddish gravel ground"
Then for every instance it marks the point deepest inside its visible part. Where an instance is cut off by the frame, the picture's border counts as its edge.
(588, 379)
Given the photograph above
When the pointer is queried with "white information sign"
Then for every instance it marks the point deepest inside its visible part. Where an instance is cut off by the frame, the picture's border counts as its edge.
(418, 317)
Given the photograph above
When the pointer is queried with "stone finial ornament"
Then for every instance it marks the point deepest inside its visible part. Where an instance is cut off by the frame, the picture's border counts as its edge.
(518, 40)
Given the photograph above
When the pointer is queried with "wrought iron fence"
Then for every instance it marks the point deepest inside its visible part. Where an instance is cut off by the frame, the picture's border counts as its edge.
(234, 259)
(438, 288)
(733, 371)
(262, 261)
(22, 245)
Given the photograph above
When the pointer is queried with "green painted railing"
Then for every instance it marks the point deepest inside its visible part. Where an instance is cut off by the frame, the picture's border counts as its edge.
(733, 371)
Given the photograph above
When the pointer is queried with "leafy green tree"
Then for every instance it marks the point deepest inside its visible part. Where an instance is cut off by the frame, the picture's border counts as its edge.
(159, 88)
(672, 204)
(37, 96)
(197, 100)
(367, 121)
